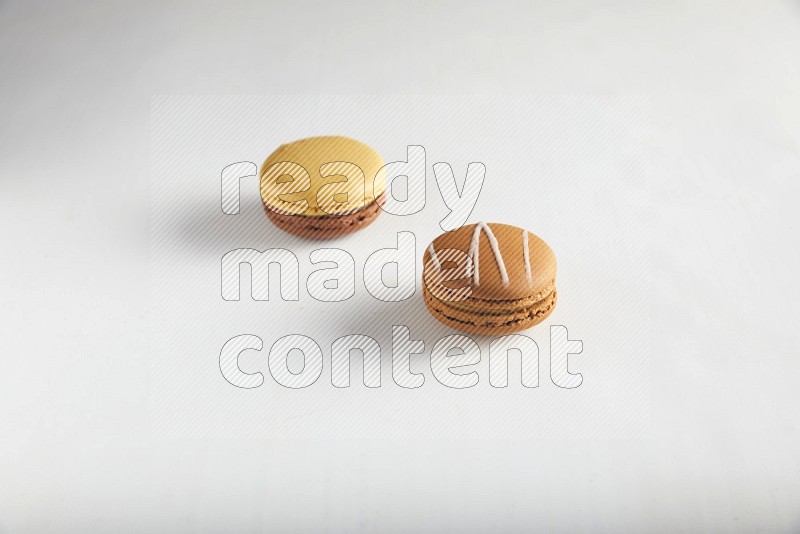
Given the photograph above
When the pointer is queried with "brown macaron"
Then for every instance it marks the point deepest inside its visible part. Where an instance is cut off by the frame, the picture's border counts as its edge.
(489, 279)
(323, 187)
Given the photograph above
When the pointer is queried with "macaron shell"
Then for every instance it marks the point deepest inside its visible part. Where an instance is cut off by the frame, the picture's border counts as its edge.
(354, 177)
(511, 246)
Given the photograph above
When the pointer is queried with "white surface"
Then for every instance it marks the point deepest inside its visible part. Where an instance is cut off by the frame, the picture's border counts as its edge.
(572, 169)
(79, 451)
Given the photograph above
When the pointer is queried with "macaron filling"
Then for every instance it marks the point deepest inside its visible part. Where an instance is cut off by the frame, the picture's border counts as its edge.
(329, 225)
(499, 317)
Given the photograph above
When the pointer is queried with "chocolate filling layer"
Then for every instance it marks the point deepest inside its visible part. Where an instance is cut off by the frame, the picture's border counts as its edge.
(487, 323)
(327, 226)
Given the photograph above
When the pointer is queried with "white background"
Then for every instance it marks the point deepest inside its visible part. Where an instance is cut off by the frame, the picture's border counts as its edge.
(81, 446)
(572, 169)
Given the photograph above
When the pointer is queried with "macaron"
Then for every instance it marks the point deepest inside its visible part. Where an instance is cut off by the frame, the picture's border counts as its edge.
(323, 187)
(490, 279)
